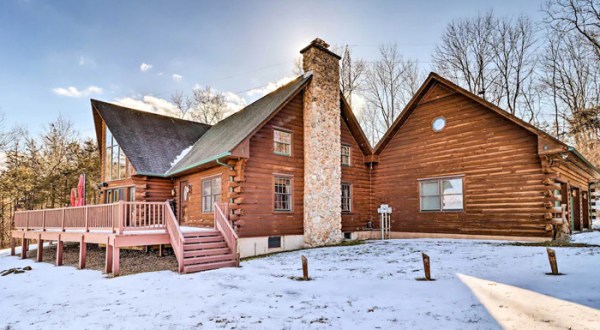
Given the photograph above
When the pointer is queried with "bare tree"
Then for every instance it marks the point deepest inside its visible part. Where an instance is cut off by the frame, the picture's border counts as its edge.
(204, 105)
(514, 56)
(389, 84)
(298, 68)
(209, 107)
(581, 17)
(572, 81)
(182, 103)
(465, 54)
(352, 72)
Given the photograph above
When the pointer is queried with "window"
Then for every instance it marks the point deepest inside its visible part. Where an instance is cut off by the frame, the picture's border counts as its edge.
(345, 155)
(283, 193)
(274, 242)
(116, 165)
(131, 194)
(444, 194)
(438, 124)
(282, 142)
(346, 197)
(211, 193)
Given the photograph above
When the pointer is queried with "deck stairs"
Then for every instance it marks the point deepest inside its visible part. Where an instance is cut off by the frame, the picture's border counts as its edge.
(199, 249)
(205, 250)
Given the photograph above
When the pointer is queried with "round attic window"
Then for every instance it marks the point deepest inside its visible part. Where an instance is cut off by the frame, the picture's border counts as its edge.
(438, 124)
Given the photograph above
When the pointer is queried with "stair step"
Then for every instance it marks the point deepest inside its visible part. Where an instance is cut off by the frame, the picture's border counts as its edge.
(201, 246)
(205, 252)
(209, 266)
(205, 239)
(201, 233)
(209, 259)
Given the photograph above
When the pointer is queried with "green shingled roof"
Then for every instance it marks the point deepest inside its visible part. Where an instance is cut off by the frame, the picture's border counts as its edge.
(223, 137)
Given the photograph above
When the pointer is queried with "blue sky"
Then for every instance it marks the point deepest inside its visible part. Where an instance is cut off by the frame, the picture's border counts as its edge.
(98, 47)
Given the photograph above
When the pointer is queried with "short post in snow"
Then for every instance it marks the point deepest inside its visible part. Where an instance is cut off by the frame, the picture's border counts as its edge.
(426, 266)
(552, 260)
(304, 268)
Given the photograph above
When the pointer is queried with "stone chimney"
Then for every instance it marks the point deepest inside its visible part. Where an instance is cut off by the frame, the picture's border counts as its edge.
(322, 168)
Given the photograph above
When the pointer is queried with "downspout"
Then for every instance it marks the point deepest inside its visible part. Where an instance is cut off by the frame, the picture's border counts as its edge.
(223, 164)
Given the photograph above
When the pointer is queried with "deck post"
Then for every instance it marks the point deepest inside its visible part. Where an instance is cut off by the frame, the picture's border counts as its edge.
(43, 220)
(82, 251)
(62, 221)
(109, 258)
(40, 249)
(115, 260)
(24, 246)
(161, 250)
(87, 225)
(121, 217)
(59, 251)
(12, 245)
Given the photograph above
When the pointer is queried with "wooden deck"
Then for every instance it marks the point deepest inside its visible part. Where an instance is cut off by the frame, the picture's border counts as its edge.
(127, 224)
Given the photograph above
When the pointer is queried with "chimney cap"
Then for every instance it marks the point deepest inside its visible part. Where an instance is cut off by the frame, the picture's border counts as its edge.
(322, 45)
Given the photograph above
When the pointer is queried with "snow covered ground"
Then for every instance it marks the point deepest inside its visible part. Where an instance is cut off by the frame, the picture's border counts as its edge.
(479, 285)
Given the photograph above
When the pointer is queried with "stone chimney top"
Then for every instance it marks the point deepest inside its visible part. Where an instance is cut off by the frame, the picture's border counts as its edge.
(322, 45)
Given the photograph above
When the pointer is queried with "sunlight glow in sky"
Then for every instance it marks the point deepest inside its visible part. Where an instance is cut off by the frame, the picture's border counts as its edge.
(55, 56)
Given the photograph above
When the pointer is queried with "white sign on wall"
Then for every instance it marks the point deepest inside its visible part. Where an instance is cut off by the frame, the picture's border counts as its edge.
(384, 209)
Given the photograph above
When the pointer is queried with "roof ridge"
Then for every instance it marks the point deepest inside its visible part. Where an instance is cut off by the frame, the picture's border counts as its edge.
(148, 112)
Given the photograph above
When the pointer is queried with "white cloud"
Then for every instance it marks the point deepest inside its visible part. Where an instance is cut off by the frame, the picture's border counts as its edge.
(177, 77)
(150, 103)
(262, 91)
(145, 67)
(72, 91)
(83, 61)
(234, 103)
(162, 106)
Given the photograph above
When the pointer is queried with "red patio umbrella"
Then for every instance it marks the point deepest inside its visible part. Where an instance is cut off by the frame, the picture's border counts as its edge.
(81, 190)
(73, 197)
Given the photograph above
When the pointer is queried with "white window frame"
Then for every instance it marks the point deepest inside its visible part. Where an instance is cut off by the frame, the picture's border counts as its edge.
(349, 154)
(276, 142)
(349, 198)
(290, 193)
(214, 198)
(440, 195)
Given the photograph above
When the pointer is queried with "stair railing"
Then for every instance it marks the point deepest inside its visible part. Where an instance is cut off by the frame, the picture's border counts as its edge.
(175, 235)
(223, 225)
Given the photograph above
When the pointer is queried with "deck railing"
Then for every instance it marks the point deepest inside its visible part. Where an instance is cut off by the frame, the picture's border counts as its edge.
(223, 225)
(175, 235)
(116, 217)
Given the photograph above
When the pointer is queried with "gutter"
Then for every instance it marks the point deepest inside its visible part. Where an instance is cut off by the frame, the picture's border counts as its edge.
(223, 164)
(202, 162)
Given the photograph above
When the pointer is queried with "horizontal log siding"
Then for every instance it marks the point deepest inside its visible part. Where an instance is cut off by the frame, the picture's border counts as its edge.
(356, 174)
(197, 218)
(258, 217)
(574, 178)
(502, 171)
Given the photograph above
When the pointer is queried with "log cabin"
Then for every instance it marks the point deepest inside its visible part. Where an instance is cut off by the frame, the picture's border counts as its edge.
(294, 169)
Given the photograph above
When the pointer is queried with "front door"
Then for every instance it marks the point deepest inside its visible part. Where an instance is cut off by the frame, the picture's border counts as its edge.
(572, 210)
(575, 211)
(184, 196)
(585, 203)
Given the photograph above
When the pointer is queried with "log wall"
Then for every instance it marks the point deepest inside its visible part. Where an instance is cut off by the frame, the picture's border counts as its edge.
(502, 172)
(357, 174)
(256, 216)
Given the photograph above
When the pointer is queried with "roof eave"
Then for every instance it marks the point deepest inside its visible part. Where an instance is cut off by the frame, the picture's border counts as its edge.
(197, 164)
(584, 160)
